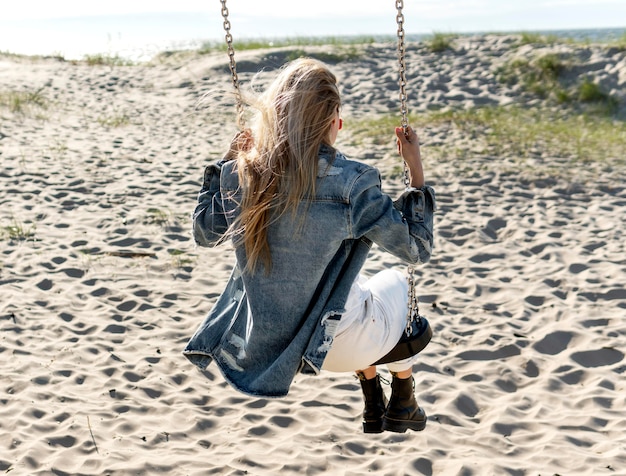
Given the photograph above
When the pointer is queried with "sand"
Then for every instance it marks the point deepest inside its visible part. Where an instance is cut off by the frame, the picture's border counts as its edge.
(101, 285)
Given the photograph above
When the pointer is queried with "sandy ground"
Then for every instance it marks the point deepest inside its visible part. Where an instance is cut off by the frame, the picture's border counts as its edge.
(101, 286)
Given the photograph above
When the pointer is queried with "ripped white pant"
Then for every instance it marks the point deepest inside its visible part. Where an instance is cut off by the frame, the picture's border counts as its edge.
(372, 325)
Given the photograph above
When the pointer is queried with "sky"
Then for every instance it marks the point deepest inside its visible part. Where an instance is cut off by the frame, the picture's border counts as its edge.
(70, 26)
(452, 14)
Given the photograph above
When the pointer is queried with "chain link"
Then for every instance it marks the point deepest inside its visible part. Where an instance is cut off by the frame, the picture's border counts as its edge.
(233, 67)
(413, 301)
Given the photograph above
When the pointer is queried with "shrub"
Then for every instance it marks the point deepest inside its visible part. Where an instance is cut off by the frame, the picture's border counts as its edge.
(549, 66)
(590, 92)
(528, 38)
(539, 76)
(441, 42)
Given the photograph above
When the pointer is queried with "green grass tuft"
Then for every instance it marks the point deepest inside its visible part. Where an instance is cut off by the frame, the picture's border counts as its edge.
(537, 39)
(22, 101)
(601, 102)
(16, 230)
(590, 92)
(619, 43)
(549, 67)
(118, 120)
(337, 56)
(107, 60)
(440, 42)
(157, 216)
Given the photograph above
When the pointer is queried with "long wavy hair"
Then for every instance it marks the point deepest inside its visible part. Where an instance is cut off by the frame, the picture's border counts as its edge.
(293, 119)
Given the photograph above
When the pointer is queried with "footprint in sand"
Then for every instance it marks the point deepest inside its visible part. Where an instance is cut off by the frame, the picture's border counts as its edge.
(598, 358)
(554, 343)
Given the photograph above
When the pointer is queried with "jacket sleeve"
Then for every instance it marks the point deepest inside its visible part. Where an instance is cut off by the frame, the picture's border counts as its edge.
(403, 227)
(209, 217)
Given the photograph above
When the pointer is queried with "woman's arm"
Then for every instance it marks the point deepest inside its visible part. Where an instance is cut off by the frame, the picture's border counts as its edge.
(209, 219)
(409, 150)
(404, 228)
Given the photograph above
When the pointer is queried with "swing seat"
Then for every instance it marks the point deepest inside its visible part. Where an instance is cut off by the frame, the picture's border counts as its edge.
(410, 344)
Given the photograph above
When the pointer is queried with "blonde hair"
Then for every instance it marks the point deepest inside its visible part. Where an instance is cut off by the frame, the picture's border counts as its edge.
(293, 120)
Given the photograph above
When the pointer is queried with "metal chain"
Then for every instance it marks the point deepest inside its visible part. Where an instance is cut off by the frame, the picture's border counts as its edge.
(402, 71)
(402, 79)
(233, 67)
(413, 302)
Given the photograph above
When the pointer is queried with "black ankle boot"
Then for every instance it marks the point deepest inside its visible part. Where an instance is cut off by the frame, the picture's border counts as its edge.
(375, 403)
(403, 413)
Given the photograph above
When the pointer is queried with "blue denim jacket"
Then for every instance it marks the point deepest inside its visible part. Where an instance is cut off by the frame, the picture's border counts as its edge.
(265, 328)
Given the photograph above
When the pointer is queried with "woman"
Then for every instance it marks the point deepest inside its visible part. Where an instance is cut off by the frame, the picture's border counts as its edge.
(302, 219)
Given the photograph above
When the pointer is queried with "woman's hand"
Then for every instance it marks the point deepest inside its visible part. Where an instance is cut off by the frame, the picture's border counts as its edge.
(241, 142)
(409, 150)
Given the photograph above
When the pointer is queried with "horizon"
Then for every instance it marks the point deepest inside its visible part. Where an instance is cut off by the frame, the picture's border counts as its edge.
(74, 29)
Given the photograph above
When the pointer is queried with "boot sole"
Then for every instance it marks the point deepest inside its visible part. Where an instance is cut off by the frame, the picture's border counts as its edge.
(372, 427)
(400, 426)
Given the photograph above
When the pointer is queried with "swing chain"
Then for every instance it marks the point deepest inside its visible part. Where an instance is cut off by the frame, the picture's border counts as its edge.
(413, 302)
(233, 67)
(404, 111)
(402, 70)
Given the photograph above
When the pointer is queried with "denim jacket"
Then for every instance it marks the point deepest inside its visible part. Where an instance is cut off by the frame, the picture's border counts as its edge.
(267, 327)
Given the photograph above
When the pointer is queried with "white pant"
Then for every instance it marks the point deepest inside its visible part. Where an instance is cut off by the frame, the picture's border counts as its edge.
(372, 325)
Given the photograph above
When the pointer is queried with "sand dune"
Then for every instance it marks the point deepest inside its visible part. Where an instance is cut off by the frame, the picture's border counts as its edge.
(101, 285)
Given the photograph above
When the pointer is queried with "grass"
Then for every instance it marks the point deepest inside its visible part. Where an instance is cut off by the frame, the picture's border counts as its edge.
(256, 44)
(539, 75)
(537, 39)
(377, 128)
(546, 76)
(522, 132)
(349, 53)
(180, 259)
(549, 66)
(440, 42)
(516, 132)
(594, 99)
(57, 150)
(102, 59)
(343, 48)
(588, 91)
(16, 230)
(20, 102)
(117, 120)
(98, 59)
(157, 216)
(55, 55)
(620, 43)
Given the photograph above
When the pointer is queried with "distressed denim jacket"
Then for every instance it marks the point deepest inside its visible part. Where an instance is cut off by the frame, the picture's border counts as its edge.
(267, 327)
